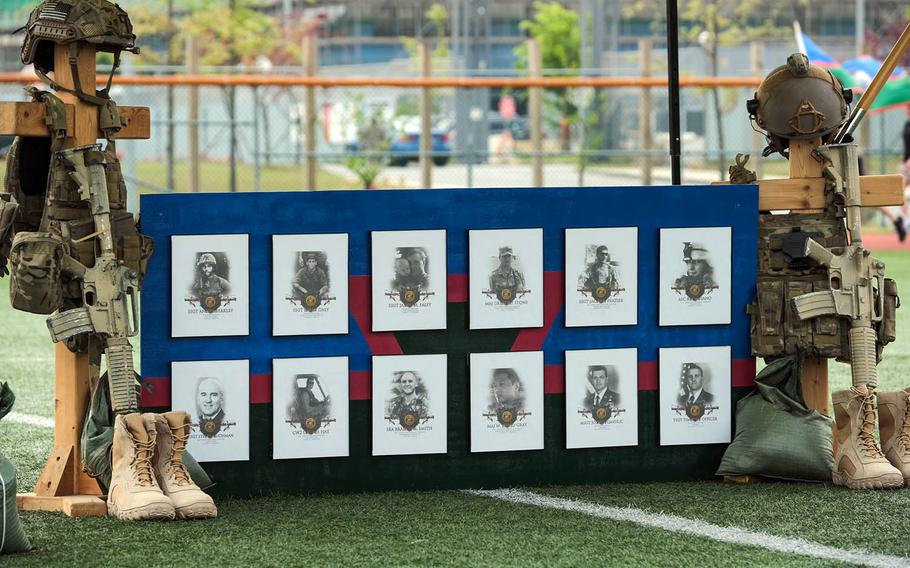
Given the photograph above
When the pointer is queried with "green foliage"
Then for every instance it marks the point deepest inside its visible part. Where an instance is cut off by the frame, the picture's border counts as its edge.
(439, 17)
(556, 30)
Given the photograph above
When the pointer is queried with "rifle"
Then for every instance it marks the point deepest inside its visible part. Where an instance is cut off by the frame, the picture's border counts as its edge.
(856, 279)
(109, 288)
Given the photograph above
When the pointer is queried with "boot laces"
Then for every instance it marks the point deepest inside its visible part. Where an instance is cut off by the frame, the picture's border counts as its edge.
(175, 465)
(904, 436)
(142, 462)
(867, 431)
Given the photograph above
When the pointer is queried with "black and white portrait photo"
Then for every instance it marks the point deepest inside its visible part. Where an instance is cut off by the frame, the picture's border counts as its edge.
(409, 404)
(310, 401)
(695, 392)
(209, 285)
(310, 284)
(601, 276)
(506, 401)
(695, 275)
(506, 278)
(216, 394)
(409, 280)
(601, 398)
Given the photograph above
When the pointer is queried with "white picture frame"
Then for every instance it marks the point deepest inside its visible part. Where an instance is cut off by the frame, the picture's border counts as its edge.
(310, 408)
(409, 280)
(409, 407)
(601, 276)
(695, 276)
(216, 394)
(505, 278)
(695, 395)
(507, 401)
(210, 285)
(601, 398)
(310, 284)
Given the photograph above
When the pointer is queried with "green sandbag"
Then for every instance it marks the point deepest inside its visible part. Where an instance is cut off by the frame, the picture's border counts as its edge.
(98, 439)
(12, 539)
(777, 436)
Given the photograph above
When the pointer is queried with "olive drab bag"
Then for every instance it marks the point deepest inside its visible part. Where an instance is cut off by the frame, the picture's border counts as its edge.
(777, 435)
(12, 539)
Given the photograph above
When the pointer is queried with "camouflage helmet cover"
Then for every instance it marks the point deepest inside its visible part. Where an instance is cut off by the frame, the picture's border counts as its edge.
(102, 23)
(799, 101)
(206, 258)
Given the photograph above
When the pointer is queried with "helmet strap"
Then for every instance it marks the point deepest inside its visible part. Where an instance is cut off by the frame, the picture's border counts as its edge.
(99, 98)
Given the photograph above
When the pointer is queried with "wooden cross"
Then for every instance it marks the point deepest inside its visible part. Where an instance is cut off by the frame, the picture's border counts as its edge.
(63, 486)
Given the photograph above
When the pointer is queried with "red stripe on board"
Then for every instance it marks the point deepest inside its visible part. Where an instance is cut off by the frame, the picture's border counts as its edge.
(554, 382)
(743, 372)
(260, 389)
(458, 288)
(359, 388)
(553, 293)
(160, 395)
(382, 343)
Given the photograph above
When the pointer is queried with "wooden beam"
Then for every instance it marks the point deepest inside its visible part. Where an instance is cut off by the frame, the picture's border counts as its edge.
(27, 119)
(799, 194)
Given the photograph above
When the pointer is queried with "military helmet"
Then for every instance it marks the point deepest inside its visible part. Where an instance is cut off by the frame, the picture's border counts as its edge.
(798, 101)
(99, 22)
(206, 258)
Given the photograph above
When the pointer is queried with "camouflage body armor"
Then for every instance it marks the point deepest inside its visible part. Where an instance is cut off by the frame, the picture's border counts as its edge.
(784, 274)
(44, 222)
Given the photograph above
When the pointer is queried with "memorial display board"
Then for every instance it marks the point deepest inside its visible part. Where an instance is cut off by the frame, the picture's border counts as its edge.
(548, 216)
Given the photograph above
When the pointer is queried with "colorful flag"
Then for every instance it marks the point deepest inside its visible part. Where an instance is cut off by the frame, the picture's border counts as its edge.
(857, 73)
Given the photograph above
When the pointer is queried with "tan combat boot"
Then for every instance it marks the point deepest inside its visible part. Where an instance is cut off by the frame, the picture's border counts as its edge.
(858, 462)
(894, 426)
(173, 432)
(134, 494)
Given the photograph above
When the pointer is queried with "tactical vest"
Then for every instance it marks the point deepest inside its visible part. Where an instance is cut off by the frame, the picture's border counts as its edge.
(785, 273)
(43, 219)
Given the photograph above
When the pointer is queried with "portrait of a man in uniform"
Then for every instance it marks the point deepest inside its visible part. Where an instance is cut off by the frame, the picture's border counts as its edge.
(311, 281)
(599, 278)
(507, 396)
(310, 405)
(599, 378)
(408, 403)
(210, 286)
(692, 395)
(505, 281)
(209, 406)
(699, 275)
(411, 270)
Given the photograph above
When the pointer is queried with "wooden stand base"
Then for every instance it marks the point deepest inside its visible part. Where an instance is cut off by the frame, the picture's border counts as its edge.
(71, 505)
(744, 479)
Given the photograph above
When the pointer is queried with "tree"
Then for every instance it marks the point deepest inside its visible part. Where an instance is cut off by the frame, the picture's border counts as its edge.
(556, 30)
(716, 23)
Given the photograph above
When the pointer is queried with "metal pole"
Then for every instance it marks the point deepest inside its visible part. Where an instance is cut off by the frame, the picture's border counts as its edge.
(673, 76)
(426, 111)
(310, 51)
(192, 67)
(535, 109)
(171, 182)
(257, 154)
(232, 114)
(644, 122)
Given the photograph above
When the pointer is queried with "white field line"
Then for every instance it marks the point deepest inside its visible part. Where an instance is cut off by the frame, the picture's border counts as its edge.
(29, 419)
(695, 527)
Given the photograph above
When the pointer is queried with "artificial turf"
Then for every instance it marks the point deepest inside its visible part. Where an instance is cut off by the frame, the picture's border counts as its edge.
(450, 528)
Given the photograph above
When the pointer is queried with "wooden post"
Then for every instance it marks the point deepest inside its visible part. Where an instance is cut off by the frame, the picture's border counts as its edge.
(310, 53)
(815, 369)
(535, 109)
(644, 112)
(426, 113)
(62, 476)
(192, 67)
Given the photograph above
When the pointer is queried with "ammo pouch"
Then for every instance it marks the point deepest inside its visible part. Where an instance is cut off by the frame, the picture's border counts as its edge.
(7, 213)
(887, 331)
(35, 271)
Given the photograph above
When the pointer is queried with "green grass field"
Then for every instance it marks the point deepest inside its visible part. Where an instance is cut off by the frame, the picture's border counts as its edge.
(457, 528)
